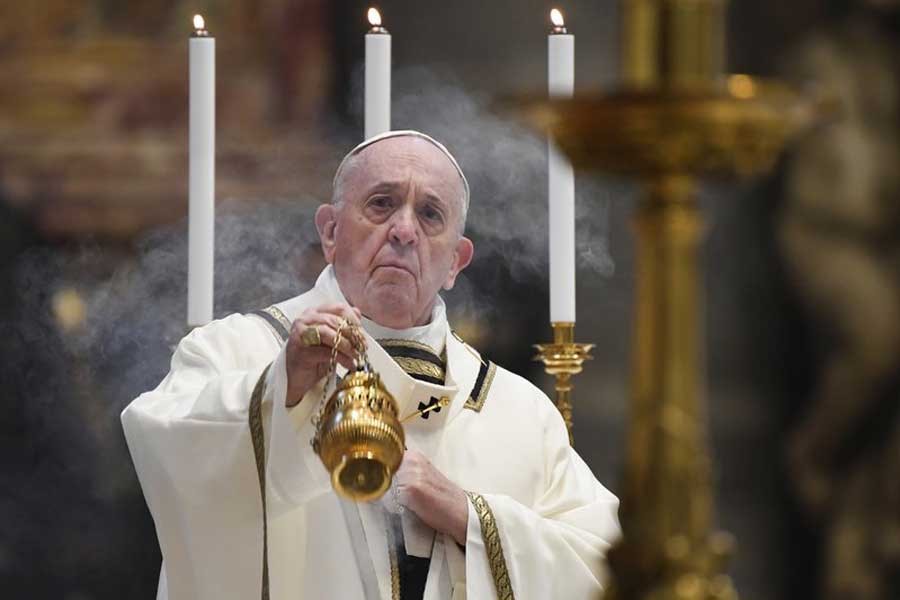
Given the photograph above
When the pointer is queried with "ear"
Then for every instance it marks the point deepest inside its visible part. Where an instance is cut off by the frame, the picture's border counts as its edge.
(462, 256)
(326, 223)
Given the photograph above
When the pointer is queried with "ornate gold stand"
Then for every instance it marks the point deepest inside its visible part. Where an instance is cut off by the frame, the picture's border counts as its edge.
(562, 359)
(675, 118)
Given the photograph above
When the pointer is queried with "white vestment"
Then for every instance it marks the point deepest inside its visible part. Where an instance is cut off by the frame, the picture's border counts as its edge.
(539, 522)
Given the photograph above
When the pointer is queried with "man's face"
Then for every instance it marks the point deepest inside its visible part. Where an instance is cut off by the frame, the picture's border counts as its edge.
(394, 237)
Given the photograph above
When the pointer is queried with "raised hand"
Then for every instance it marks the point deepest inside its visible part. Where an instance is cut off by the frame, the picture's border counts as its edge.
(310, 345)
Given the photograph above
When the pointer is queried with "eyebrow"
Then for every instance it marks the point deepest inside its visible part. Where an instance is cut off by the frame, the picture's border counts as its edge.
(383, 186)
(390, 186)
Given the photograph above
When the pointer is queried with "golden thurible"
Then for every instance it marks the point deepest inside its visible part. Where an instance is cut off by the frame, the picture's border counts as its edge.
(358, 436)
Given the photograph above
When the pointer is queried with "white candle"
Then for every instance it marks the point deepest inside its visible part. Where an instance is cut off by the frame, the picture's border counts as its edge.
(201, 176)
(561, 179)
(378, 77)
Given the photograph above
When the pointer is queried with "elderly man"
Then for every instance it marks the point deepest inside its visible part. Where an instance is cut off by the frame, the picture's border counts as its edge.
(490, 500)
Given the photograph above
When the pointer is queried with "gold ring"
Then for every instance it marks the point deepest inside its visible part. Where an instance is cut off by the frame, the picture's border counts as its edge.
(311, 337)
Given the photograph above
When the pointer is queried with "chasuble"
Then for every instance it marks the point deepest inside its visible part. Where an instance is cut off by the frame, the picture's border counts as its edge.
(248, 512)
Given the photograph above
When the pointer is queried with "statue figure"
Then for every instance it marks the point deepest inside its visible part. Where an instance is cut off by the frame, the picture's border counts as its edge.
(839, 237)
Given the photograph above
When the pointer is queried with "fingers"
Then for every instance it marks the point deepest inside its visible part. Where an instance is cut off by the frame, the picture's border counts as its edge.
(328, 334)
(437, 501)
(319, 357)
(307, 363)
(351, 314)
(333, 315)
(343, 311)
(411, 471)
(413, 457)
(328, 323)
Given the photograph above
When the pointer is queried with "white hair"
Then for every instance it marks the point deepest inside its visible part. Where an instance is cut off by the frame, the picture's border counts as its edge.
(350, 159)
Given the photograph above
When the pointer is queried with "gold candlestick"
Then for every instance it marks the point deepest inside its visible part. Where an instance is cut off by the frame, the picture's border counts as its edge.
(563, 359)
(675, 119)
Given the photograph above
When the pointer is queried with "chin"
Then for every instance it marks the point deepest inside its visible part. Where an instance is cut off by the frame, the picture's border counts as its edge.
(392, 306)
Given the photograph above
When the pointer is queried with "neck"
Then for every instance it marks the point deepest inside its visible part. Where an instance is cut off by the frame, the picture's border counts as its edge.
(432, 334)
(381, 313)
(401, 321)
(429, 327)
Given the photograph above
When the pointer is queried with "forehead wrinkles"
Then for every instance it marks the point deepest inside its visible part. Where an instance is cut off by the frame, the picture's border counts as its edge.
(381, 162)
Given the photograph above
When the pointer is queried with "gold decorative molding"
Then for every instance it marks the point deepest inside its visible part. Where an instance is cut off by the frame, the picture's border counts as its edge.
(675, 118)
(563, 359)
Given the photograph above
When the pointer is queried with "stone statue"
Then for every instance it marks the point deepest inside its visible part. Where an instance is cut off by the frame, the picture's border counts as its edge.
(839, 237)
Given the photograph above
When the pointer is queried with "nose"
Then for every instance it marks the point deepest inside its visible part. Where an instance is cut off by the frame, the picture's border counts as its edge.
(403, 227)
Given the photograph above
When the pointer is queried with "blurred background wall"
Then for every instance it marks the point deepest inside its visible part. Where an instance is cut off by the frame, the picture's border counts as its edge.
(803, 302)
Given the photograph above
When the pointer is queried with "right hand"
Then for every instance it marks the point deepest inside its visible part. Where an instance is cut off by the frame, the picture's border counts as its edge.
(308, 364)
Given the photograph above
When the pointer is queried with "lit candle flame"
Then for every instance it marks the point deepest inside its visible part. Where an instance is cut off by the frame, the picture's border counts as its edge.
(199, 23)
(374, 17)
(556, 18)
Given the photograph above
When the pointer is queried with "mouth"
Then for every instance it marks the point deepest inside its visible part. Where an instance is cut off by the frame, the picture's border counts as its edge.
(396, 267)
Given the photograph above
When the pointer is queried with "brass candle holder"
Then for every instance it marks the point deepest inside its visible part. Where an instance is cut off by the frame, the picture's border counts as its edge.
(563, 358)
(676, 118)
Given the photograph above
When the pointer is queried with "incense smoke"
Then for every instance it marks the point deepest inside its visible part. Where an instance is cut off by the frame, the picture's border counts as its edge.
(267, 252)
(79, 378)
(506, 165)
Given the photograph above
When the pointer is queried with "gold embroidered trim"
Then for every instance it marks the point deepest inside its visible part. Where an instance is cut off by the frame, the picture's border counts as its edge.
(280, 316)
(418, 366)
(395, 343)
(395, 565)
(478, 403)
(491, 536)
(257, 436)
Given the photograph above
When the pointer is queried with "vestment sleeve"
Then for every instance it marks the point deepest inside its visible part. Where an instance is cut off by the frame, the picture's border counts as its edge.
(192, 449)
(553, 549)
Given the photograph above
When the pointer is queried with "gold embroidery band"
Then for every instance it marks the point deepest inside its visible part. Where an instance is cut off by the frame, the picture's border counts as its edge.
(395, 564)
(417, 359)
(491, 536)
(257, 435)
(276, 319)
(416, 366)
(394, 343)
(482, 387)
(280, 316)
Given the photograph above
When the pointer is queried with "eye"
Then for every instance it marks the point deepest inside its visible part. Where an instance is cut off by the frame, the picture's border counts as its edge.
(379, 202)
(432, 214)
(379, 207)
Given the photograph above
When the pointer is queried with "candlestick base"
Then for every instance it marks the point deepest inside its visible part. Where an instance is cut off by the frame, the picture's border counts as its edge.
(564, 358)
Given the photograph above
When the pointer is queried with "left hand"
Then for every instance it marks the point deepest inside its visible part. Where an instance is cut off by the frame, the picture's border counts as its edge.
(437, 501)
